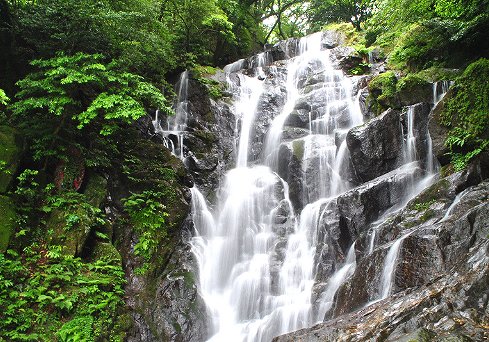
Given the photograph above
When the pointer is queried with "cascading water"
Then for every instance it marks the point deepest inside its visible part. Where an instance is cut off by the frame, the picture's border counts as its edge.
(253, 291)
(174, 128)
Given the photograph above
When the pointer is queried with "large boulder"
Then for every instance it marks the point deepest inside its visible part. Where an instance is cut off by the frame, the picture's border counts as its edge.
(376, 147)
(365, 204)
(290, 169)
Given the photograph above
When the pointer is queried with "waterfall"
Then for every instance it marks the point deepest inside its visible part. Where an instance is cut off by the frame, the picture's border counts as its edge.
(335, 282)
(173, 133)
(452, 206)
(388, 270)
(253, 289)
(410, 141)
(440, 88)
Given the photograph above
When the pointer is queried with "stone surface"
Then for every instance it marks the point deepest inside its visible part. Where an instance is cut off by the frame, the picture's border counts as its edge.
(376, 147)
(440, 277)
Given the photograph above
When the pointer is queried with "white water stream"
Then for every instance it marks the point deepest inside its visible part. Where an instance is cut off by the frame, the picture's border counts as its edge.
(251, 293)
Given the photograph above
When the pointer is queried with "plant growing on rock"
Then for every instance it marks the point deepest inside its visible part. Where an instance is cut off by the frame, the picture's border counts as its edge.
(466, 114)
(147, 215)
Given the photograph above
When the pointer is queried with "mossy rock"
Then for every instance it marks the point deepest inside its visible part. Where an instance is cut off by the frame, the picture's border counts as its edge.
(298, 149)
(435, 74)
(74, 238)
(107, 252)
(383, 90)
(10, 153)
(96, 190)
(414, 89)
(7, 221)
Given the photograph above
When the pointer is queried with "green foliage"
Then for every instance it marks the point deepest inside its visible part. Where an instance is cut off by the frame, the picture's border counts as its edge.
(410, 81)
(466, 114)
(424, 206)
(421, 34)
(198, 26)
(128, 30)
(327, 11)
(3, 102)
(45, 295)
(69, 93)
(3, 98)
(147, 215)
(434, 74)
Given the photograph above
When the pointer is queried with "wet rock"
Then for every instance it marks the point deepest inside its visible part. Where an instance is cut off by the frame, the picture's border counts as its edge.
(414, 90)
(448, 307)
(376, 146)
(290, 169)
(292, 133)
(363, 205)
(331, 39)
(362, 287)
(162, 303)
(346, 58)
(420, 261)
(298, 118)
(209, 141)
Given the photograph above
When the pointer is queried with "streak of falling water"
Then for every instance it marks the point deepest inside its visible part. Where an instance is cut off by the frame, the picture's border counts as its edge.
(452, 206)
(334, 283)
(390, 263)
(440, 88)
(176, 124)
(245, 109)
(410, 142)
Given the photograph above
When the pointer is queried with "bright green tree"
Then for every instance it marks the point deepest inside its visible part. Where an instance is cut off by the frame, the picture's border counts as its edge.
(68, 96)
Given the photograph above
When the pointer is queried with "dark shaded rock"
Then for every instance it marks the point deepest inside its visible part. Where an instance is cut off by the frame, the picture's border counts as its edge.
(290, 169)
(298, 118)
(420, 261)
(365, 204)
(413, 89)
(376, 146)
(362, 287)
(442, 308)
